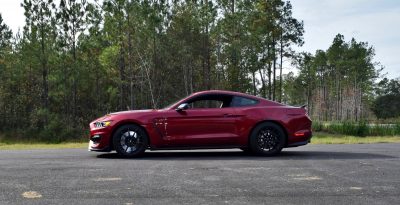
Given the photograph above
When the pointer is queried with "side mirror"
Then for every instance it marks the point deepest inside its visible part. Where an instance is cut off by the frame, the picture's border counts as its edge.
(183, 106)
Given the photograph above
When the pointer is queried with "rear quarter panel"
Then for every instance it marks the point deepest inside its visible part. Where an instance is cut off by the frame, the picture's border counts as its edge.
(291, 120)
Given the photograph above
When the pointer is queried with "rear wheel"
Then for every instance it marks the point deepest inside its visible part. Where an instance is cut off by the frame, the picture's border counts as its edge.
(130, 140)
(267, 139)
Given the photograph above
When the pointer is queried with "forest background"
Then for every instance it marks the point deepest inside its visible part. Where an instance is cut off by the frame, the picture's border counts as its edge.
(76, 60)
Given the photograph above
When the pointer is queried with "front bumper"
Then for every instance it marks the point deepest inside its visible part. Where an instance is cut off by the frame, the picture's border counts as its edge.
(100, 140)
(94, 147)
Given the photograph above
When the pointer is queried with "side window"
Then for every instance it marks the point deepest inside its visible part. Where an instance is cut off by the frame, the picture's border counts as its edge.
(206, 104)
(242, 101)
(210, 101)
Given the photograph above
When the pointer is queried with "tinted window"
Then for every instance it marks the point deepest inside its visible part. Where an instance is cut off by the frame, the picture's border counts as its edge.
(242, 101)
(210, 101)
(206, 104)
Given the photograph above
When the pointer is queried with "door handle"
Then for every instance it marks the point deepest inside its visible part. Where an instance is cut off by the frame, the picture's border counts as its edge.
(227, 115)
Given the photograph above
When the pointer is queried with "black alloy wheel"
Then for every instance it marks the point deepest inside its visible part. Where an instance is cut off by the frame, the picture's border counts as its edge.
(267, 139)
(130, 140)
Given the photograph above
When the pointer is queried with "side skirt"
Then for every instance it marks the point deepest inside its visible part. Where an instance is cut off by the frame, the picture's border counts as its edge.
(196, 147)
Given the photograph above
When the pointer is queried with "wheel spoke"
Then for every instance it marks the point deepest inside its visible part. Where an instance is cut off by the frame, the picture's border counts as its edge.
(122, 141)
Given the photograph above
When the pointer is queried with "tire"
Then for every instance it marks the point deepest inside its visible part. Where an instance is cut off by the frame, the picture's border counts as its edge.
(130, 140)
(267, 139)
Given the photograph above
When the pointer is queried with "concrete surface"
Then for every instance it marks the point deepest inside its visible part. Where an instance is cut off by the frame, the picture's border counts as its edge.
(313, 174)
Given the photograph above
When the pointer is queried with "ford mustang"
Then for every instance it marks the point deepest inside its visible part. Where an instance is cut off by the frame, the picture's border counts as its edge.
(208, 119)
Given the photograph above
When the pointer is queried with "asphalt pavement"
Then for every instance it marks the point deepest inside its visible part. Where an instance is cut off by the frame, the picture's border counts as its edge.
(313, 174)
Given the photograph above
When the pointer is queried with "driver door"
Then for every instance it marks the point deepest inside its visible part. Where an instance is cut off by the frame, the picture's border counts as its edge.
(207, 122)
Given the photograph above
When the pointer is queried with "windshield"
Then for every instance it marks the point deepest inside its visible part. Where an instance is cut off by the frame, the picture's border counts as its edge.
(171, 104)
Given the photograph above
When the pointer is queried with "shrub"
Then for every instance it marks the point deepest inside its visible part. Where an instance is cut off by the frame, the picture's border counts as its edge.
(361, 128)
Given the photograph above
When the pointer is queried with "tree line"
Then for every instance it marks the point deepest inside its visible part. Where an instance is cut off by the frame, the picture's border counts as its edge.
(76, 60)
(336, 84)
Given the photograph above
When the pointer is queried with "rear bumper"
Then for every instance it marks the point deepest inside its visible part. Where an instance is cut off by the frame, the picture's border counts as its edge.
(299, 143)
(296, 141)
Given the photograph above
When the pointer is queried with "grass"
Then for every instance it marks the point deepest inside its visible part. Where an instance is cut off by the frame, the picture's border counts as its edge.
(326, 138)
(22, 146)
(16, 143)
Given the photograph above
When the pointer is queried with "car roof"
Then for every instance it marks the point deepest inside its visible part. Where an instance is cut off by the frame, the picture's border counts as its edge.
(262, 101)
(229, 93)
(219, 92)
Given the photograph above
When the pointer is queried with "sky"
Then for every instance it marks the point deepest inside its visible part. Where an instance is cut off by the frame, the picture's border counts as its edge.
(374, 21)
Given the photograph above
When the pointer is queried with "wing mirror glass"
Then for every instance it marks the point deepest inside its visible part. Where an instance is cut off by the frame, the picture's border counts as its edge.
(183, 106)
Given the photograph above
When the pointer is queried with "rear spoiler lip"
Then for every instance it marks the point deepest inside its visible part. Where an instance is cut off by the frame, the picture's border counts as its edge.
(304, 106)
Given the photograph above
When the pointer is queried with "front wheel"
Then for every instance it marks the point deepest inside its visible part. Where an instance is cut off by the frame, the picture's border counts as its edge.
(130, 140)
(267, 139)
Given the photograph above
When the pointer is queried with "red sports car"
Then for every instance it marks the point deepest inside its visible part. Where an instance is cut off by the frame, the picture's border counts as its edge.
(207, 119)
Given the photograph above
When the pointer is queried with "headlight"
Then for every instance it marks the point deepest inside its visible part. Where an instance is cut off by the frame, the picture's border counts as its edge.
(102, 124)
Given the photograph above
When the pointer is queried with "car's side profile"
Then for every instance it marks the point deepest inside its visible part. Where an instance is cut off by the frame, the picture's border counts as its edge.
(207, 119)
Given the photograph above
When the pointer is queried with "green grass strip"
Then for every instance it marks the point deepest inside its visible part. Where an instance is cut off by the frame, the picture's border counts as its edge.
(324, 138)
(24, 146)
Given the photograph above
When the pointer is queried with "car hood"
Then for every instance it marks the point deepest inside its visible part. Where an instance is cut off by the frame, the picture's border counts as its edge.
(134, 113)
(129, 112)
